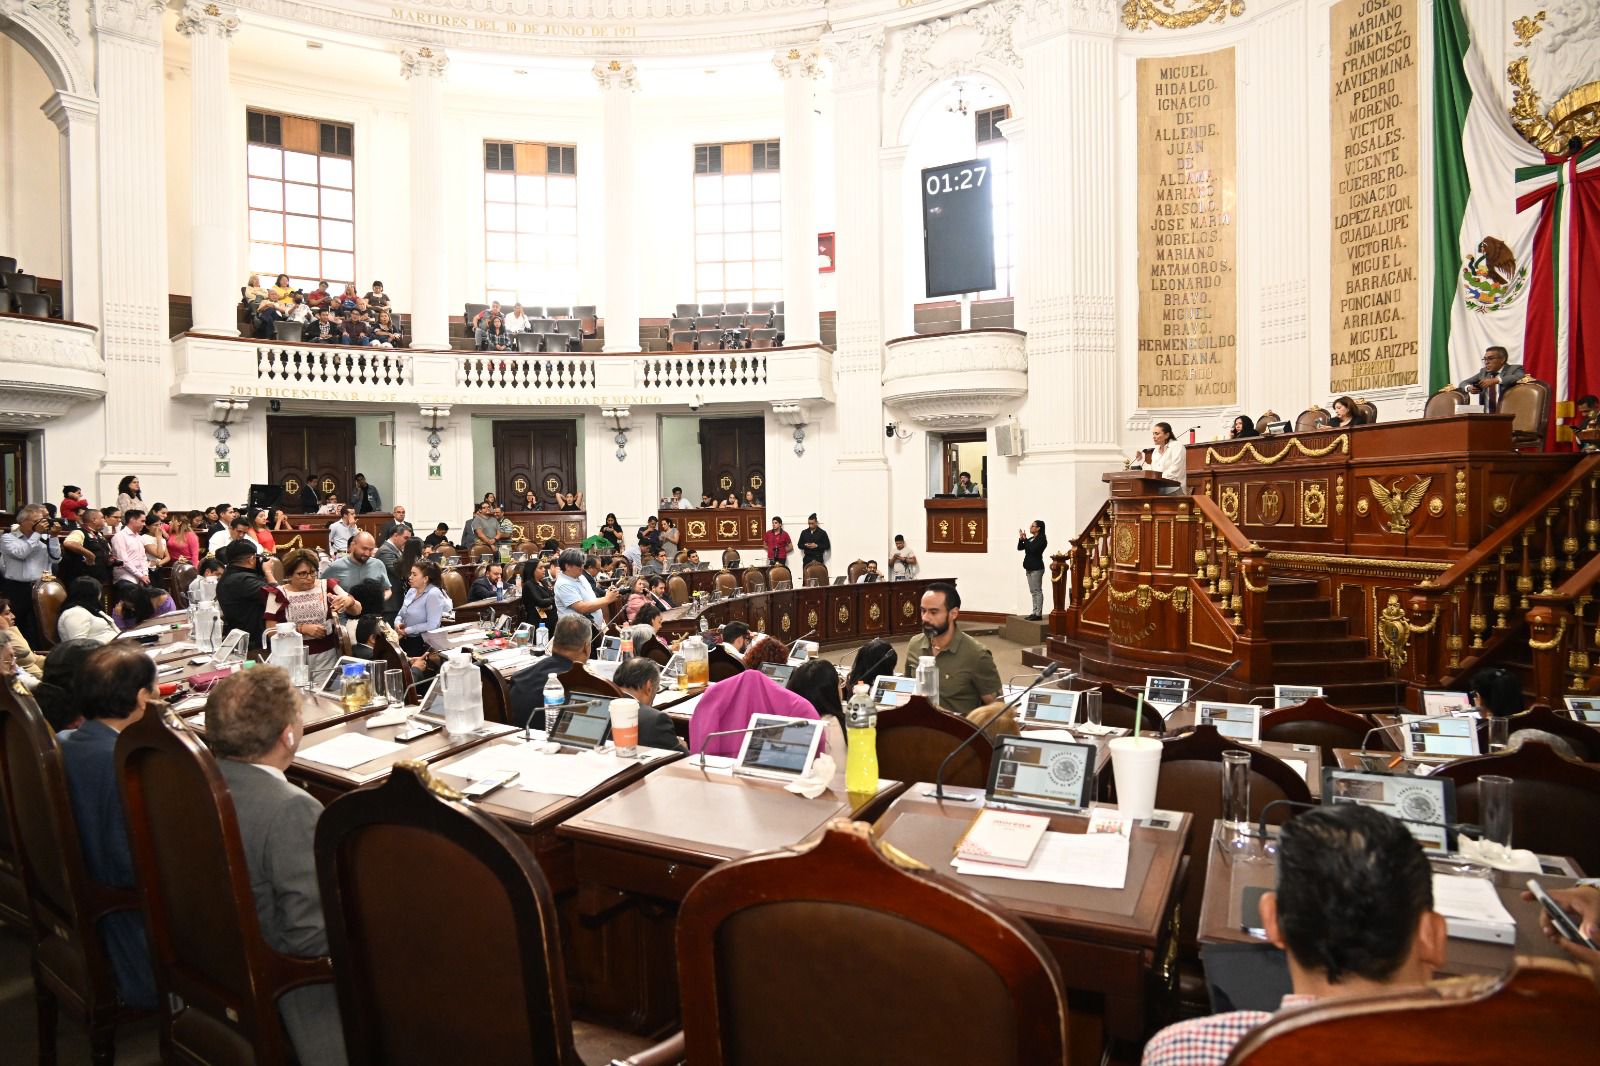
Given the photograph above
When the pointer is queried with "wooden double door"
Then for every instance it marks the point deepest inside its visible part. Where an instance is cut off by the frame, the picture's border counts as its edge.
(542, 456)
(733, 456)
(318, 451)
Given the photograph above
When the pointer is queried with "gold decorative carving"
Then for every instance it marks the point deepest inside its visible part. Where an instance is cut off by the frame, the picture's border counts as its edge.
(327, 485)
(972, 529)
(697, 527)
(552, 484)
(944, 528)
(291, 486)
(1394, 633)
(1362, 506)
(785, 623)
(1435, 506)
(1354, 564)
(1461, 493)
(756, 482)
(1499, 504)
(844, 614)
(908, 610)
(874, 612)
(1553, 642)
(811, 619)
(1527, 28)
(1576, 114)
(1177, 15)
(1398, 505)
(1313, 503)
(726, 482)
(1341, 443)
(1269, 506)
(1338, 494)
(429, 782)
(1125, 545)
(544, 531)
(1230, 502)
(728, 527)
(1144, 596)
(519, 483)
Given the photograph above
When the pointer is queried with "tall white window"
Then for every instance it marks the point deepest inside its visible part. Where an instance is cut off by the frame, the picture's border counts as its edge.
(992, 145)
(530, 217)
(738, 223)
(301, 195)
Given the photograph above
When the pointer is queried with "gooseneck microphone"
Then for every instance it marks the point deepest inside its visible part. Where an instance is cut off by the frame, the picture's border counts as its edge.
(938, 778)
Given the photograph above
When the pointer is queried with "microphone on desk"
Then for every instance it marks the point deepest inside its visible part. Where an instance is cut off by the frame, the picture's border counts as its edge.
(1379, 729)
(1224, 672)
(938, 778)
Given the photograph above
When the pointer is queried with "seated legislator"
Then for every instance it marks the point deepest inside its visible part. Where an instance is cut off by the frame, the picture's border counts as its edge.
(569, 647)
(1346, 414)
(640, 679)
(1353, 911)
(729, 704)
(1243, 426)
(968, 678)
(253, 727)
(114, 685)
(1495, 378)
(1166, 459)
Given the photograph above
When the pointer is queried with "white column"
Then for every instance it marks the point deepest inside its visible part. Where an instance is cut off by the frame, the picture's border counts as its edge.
(213, 235)
(861, 475)
(799, 68)
(77, 117)
(133, 242)
(619, 80)
(430, 294)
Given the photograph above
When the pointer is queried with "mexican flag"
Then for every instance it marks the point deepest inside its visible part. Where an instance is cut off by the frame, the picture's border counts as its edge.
(1483, 247)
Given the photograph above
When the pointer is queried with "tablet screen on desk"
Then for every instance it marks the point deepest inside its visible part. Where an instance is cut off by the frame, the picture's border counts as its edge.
(1236, 721)
(1439, 702)
(1051, 774)
(1288, 695)
(1440, 736)
(1052, 705)
(891, 690)
(610, 649)
(1406, 796)
(778, 746)
(1584, 708)
(584, 722)
(779, 672)
(673, 668)
(1166, 689)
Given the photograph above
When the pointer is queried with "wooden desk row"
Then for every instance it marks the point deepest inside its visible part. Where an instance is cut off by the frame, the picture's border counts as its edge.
(830, 614)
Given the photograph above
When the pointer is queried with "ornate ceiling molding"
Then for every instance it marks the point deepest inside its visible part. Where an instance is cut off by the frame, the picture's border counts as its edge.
(616, 75)
(856, 57)
(197, 19)
(136, 19)
(423, 62)
(991, 22)
(1140, 15)
(798, 62)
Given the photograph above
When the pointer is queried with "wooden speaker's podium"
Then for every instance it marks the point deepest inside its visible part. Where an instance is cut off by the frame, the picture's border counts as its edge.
(1125, 483)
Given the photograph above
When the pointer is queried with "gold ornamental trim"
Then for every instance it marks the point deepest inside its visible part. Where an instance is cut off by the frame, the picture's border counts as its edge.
(1146, 595)
(1576, 114)
(1124, 545)
(844, 614)
(1140, 15)
(811, 619)
(697, 527)
(728, 527)
(431, 783)
(1432, 624)
(1553, 642)
(1340, 443)
(1435, 506)
(874, 612)
(1398, 505)
(1358, 565)
(1314, 503)
(1394, 633)
(1230, 502)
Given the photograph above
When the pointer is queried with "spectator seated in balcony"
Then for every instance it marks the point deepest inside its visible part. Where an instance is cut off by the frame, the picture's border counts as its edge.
(348, 299)
(357, 330)
(319, 297)
(324, 329)
(481, 319)
(255, 294)
(299, 311)
(281, 289)
(492, 337)
(377, 297)
(516, 321)
(385, 331)
(271, 313)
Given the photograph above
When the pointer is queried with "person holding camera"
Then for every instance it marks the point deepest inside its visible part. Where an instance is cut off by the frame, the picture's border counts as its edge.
(26, 553)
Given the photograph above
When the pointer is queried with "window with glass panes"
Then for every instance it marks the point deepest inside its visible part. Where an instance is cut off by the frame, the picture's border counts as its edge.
(738, 224)
(530, 213)
(301, 197)
(992, 145)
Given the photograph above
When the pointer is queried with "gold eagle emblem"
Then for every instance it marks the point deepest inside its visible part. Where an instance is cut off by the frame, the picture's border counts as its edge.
(1399, 505)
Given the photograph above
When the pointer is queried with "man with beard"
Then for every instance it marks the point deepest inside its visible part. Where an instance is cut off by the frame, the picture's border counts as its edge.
(967, 675)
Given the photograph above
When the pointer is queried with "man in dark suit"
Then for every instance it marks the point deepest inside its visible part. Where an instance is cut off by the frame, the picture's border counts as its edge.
(640, 679)
(1494, 379)
(253, 727)
(569, 646)
(114, 685)
(240, 595)
(324, 329)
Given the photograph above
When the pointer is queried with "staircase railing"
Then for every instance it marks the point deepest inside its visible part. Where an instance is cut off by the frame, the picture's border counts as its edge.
(1564, 633)
(1088, 563)
(1481, 608)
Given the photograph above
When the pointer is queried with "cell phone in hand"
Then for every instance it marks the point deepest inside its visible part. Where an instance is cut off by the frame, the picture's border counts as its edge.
(1559, 916)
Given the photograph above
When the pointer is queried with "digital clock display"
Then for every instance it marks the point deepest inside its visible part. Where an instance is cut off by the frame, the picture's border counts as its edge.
(958, 228)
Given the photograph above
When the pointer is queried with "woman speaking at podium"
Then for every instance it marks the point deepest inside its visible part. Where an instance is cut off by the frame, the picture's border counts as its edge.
(1166, 459)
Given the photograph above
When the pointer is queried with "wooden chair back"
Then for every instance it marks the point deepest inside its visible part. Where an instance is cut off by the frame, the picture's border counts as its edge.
(1443, 403)
(496, 696)
(915, 737)
(1555, 801)
(60, 903)
(856, 569)
(48, 596)
(183, 574)
(455, 586)
(730, 558)
(577, 679)
(778, 574)
(1316, 721)
(1191, 780)
(1269, 415)
(1528, 402)
(1585, 739)
(754, 580)
(1118, 709)
(1309, 418)
(403, 999)
(655, 652)
(390, 656)
(726, 583)
(677, 590)
(205, 938)
(1368, 409)
(816, 572)
(722, 664)
(970, 983)
(1533, 1014)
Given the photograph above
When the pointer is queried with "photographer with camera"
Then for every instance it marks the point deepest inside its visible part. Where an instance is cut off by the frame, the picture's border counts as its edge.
(29, 550)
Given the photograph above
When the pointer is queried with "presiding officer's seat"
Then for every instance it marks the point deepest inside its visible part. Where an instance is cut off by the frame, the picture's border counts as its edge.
(1528, 404)
(1443, 403)
(939, 973)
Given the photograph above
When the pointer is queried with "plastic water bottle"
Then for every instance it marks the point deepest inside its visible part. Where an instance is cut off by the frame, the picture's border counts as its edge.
(289, 652)
(205, 625)
(555, 697)
(861, 756)
(705, 626)
(627, 644)
(355, 690)
(541, 638)
(928, 679)
(463, 694)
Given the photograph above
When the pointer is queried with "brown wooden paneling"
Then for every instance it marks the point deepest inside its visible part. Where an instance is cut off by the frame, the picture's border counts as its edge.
(844, 613)
(874, 620)
(542, 456)
(319, 450)
(957, 525)
(811, 607)
(301, 135)
(783, 616)
(708, 529)
(733, 456)
(905, 607)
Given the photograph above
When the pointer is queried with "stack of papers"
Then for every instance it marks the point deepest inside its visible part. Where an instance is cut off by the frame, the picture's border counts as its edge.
(146, 631)
(349, 750)
(1472, 909)
(1094, 860)
(558, 774)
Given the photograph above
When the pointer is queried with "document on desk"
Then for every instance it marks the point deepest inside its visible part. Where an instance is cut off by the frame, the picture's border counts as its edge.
(1472, 909)
(1298, 766)
(558, 774)
(1093, 860)
(349, 750)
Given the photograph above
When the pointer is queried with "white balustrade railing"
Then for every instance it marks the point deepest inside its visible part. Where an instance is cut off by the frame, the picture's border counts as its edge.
(704, 370)
(501, 370)
(315, 364)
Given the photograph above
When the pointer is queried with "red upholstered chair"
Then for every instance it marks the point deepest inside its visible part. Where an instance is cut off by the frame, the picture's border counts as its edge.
(60, 903)
(949, 976)
(1543, 1011)
(218, 977)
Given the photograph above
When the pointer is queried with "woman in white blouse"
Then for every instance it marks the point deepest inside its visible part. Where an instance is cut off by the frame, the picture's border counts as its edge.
(1166, 459)
(83, 613)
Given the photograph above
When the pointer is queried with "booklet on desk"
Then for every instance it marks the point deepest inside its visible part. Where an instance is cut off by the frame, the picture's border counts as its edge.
(1472, 909)
(1002, 837)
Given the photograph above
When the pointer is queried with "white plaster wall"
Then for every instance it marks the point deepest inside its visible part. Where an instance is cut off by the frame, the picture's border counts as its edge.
(30, 188)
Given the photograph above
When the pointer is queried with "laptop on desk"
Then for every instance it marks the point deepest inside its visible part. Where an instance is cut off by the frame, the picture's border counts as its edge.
(584, 722)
